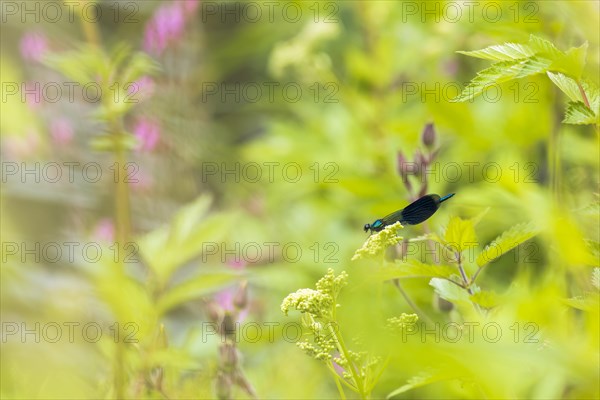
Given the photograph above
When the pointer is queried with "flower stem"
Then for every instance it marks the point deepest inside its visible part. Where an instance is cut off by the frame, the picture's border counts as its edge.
(344, 351)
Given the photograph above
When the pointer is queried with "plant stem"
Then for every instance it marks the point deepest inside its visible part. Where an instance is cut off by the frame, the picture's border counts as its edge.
(583, 95)
(463, 274)
(344, 351)
(411, 304)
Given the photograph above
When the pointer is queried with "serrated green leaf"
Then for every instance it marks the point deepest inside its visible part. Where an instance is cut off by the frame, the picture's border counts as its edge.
(460, 234)
(503, 52)
(572, 62)
(502, 72)
(414, 269)
(578, 114)
(418, 381)
(506, 242)
(593, 95)
(566, 84)
(194, 288)
(587, 303)
(450, 291)
(167, 248)
(544, 48)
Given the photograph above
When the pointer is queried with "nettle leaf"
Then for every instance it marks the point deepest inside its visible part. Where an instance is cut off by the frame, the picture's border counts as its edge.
(507, 241)
(572, 62)
(452, 292)
(502, 72)
(167, 248)
(578, 114)
(544, 48)
(414, 269)
(566, 84)
(460, 234)
(593, 94)
(503, 52)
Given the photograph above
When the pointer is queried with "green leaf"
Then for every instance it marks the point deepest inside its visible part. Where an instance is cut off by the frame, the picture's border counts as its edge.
(450, 291)
(167, 248)
(485, 299)
(419, 381)
(460, 234)
(502, 72)
(566, 84)
(414, 269)
(194, 288)
(544, 48)
(82, 65)
(573, 62)
(504, 52)
(506, 242)
(578, 114)
(593, 94)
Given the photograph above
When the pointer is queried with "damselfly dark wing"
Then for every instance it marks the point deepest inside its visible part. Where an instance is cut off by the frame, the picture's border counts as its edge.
(392, 218)
(419, 210)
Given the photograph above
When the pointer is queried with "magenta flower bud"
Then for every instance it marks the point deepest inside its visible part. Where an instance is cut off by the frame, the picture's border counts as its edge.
(404, 168)
(428, 136)
(420, 162)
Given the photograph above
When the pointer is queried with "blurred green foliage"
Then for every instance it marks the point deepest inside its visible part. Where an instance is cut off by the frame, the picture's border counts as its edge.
(372, 75)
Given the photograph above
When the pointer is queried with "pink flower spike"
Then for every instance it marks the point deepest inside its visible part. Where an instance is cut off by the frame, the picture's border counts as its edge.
(61, 131)
(33, 46)
(165, 27)
(147, 132)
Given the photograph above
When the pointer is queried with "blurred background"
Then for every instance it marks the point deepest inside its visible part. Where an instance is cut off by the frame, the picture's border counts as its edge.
(171, 170)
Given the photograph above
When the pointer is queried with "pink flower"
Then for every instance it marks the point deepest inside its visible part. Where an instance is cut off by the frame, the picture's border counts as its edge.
(141, 89)
(61, 131)
(190, 6)
(147, 132)
(33, 46)
(165, 27)
(105, 231)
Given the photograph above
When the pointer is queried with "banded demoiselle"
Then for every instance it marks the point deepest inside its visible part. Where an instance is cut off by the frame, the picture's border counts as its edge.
(414, 213)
